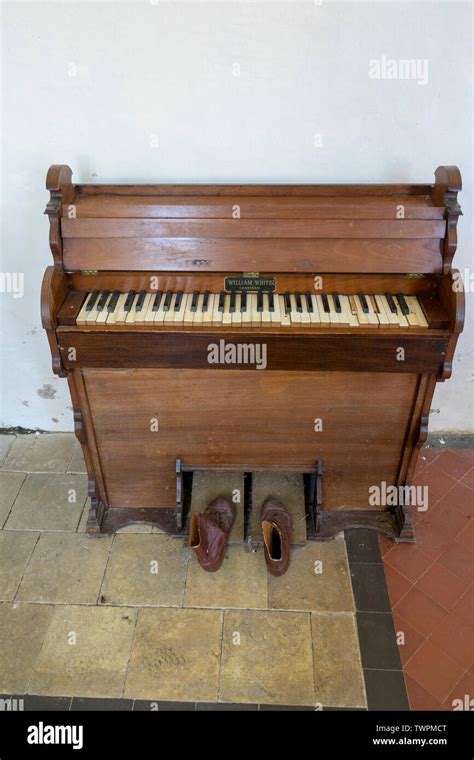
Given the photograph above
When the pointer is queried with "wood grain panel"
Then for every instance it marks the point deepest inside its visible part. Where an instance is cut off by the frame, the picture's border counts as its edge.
(313, 353)
(197, 207)
(275, 190)
(253, 417)
(214, 282)
(253, 255)
(253, 228)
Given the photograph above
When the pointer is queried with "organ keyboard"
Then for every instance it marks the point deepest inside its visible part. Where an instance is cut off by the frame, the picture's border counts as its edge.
(305, 336)
(260, 309)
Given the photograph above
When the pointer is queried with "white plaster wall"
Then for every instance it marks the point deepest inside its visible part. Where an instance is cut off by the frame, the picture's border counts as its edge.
(91, 83)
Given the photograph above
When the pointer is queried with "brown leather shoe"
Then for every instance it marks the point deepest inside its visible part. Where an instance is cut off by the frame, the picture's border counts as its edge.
(209, 532)
(276, 529)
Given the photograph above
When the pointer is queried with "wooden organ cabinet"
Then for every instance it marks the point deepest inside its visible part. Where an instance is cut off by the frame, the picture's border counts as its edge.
(289, 328)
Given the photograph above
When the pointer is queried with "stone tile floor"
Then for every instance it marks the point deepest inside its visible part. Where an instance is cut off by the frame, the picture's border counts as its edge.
(133, 616)
(431, 585)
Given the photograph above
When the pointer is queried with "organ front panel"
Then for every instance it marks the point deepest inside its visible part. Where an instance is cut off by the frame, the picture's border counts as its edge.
(164, 304)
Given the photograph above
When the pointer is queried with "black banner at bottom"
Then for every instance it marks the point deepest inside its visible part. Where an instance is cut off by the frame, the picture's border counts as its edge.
(374, 734)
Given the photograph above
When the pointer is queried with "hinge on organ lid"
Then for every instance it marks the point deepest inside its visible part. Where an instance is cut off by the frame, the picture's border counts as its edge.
(89, 271)
(415, 276)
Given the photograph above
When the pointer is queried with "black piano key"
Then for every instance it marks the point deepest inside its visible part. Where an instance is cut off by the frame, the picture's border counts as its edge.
(271, 301)
(113, 301)
(129, 300)
(363, 303)
(243, 301)
(178, 300)
(140, 300)
(220, 305)
(194, 302)
(309, 302)
(299, 305)
(92, 299)
(403, 304)
(287, 303)
(157, 301)
(205, 300)
(391, 303)
(337, 303)
(259, 301)
(232, 301)
(103, 300)
(325, 303)
(167, 303)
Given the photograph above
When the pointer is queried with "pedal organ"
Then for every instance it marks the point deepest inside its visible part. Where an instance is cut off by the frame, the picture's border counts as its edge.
(164, 301)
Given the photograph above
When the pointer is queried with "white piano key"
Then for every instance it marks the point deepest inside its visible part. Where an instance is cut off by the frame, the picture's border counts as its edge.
(252, 304)
(140, 315)
(169, 315)
(207, 315)
(380, 310)
(237, 314)
(305, 314)
(275, 314)
(416, 311)
(81, 317)
(216, 314)
(91, 316)
(227, 315)
(334, 317)
(364, 320)
(188, 316)
(347, 317)
(130, 318)
(247, 314)
(118, 311)
(149, 315)
(160, 313)
(402, 320)
(285, 319)
(102, 315)
(373, 318)
(198, 315)
(392, 318)
(178, 316)
(314, 315)
(295, 315)
(266, 313)
(323, 315)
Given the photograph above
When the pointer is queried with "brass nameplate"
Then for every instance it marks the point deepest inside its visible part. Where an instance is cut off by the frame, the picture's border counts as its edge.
(250, 284)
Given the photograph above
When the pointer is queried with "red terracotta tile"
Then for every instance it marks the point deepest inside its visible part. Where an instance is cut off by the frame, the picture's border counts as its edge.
(466, 454)
(439, 482)
(449, 461)
(466, 537)
(443, 586)
(411, 641)
(397, 585)
(423, 613)
(428, 455)
(464, 609)
(462, 696)
(459, 560)
(468, 478)
(434, 670)
(386, 545)
(430, 540)
(418, 697)
(456, 639)
(447, 520)
(409, 560)
(461, 497)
